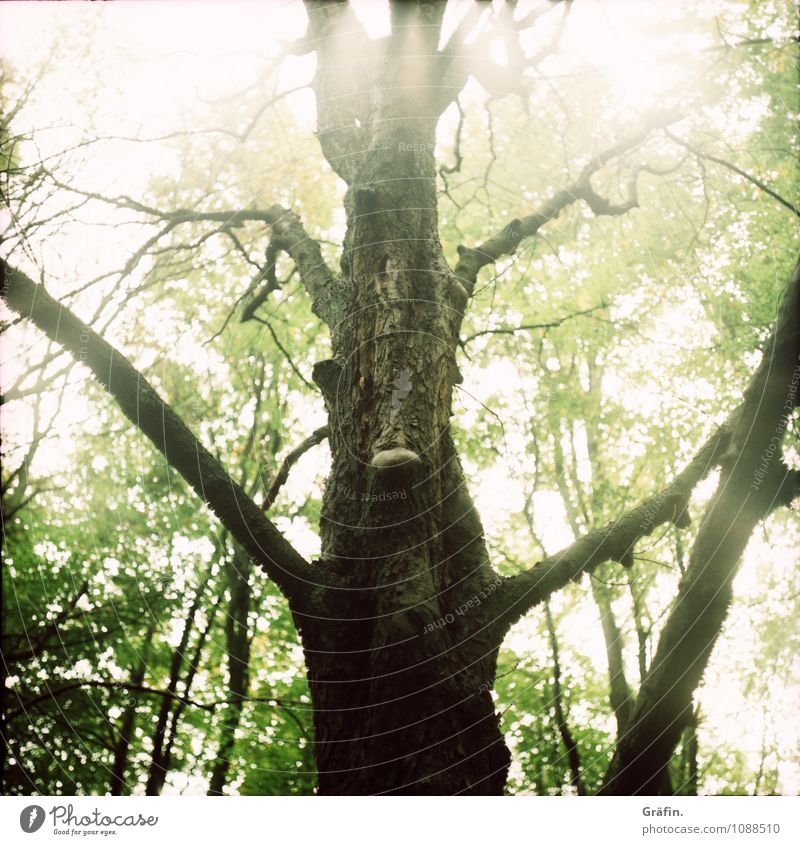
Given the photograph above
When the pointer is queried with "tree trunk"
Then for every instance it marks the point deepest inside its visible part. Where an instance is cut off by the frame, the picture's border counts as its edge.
(559, 708)
(128, 723)
(691, 750)
(191, 673)
(400, 662)
(754, 480)
(158, 772)
(619, 691)
(237, 644)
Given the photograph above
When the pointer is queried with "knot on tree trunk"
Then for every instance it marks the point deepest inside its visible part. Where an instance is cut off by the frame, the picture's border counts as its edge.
(396, 462)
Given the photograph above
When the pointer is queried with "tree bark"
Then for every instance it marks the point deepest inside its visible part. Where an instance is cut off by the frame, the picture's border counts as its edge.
(400, 663)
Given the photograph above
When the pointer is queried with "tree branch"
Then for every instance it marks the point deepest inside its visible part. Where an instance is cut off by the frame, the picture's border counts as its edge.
(472, 260)
(525, 327)
(134, 687)
(39, 644)
(753, 482)
(762, 186)
(289, 461)
(110, 685)
(288, 235)
(142, 405)
(614, 541)
(458, 61)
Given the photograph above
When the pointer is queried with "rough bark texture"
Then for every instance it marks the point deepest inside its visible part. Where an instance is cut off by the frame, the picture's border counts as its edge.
(399, 664)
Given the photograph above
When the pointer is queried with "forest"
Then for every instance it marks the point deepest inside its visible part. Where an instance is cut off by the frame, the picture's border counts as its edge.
(400, 398)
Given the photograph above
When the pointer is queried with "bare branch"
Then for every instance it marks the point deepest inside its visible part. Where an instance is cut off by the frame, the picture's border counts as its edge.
(471, 261)
(142, 689)
(40, 644)
(110, 685)
(289, 461)
(762, 186)
(459, 61)
(526, 327)
(286, 354)
(288, 234)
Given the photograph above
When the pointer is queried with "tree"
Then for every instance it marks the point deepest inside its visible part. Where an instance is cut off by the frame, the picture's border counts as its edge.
(403, 615)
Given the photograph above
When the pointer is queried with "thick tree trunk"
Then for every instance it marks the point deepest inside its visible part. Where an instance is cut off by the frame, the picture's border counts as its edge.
(400, 662)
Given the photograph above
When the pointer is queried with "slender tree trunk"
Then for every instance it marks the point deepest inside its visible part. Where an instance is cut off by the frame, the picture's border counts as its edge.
(691, 745)
(560, 710)
(642, 635)
(237, 643)
(128, 723)
(620, 693)
(191, 672)
(155, 779)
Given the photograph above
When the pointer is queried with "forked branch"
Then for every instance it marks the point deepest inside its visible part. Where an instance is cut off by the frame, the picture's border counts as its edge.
(753, 482)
